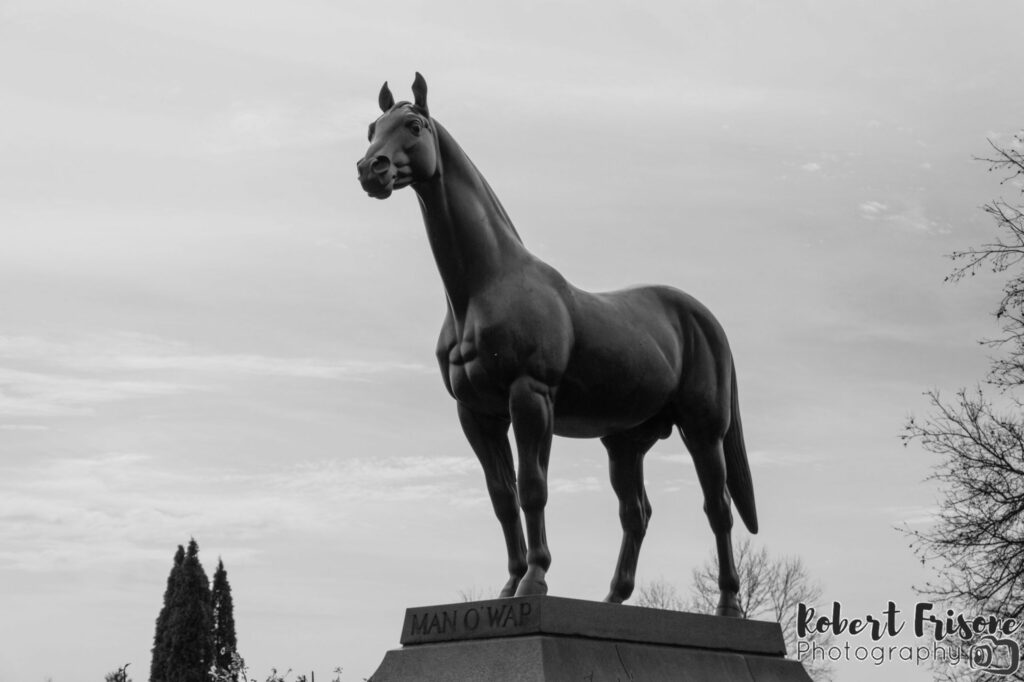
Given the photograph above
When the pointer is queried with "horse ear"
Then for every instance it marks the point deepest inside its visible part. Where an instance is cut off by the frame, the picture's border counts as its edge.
(419, 91)
(386, 100)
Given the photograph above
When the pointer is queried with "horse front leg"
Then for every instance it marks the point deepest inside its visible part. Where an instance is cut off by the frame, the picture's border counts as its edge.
(488, 436)
(531, 407)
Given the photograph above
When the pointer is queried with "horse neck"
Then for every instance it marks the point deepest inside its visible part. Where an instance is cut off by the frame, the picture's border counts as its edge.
(470, 234)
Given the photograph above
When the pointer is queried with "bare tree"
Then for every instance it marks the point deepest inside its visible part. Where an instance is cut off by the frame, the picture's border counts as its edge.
(119, 675)
(977, 539)
(477, 593)
(770, 589)
(976, 543)
(660, 594)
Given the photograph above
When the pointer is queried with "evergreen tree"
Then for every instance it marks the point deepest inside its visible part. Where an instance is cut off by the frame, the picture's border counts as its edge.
(161, 639)
(225, 644)
(190, 624)
(119, 675)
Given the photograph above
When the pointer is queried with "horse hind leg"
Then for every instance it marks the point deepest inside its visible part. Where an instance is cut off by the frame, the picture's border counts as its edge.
(709, 460)
(488, 436)
(626, 467)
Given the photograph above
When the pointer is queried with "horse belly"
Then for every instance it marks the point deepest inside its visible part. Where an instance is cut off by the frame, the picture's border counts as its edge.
(604, 394)
(594, 415)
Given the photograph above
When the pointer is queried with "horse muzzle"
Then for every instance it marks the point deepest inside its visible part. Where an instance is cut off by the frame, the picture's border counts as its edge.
(377, 176)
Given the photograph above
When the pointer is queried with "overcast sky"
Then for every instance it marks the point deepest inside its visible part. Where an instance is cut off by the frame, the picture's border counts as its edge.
(207, 329)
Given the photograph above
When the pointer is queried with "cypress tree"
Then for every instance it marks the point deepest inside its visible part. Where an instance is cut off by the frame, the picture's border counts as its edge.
(161, 639)
(190, 623)
(225, 644)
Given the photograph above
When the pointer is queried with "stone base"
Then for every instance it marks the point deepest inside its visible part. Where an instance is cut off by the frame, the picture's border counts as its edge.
(551, 639)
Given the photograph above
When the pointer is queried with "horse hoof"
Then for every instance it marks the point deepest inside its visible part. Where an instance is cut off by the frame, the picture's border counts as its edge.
(532, 588)
(729, 608)
(614, 598)
(619, 591)
(510, 589)
(532, 584)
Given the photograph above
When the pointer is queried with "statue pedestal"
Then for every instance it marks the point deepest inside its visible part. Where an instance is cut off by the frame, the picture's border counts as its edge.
(552, 639)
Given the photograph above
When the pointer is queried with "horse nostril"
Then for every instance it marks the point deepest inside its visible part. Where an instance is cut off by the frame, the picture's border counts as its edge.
(380, 165)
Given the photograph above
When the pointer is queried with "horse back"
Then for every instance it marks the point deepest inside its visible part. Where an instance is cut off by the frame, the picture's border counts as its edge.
(643, 319)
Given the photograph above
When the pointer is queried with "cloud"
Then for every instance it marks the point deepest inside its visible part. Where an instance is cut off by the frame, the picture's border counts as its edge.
(46, 378)
(37, 394)
(75, 513)
(759, 458)
(587, 484)
(70, 514)
(811, 167)
(872, 209)
(913, 515)
(132, 352)
(1013, 140)
(910, 216)
(300, 368)
(767, 458)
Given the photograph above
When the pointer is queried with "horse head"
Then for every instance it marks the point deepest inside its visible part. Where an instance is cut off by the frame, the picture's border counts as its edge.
(403, 144)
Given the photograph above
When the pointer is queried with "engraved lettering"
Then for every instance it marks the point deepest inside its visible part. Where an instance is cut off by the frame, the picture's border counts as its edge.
(441, 624)
(419, 627)
(494, 615)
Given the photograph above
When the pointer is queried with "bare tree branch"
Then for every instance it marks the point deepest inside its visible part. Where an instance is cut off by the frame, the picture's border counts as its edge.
(477, 594)
(660, 594)
(977, 539)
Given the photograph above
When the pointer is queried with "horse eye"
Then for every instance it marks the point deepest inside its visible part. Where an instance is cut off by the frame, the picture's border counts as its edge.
(369, 132)
(415, 127)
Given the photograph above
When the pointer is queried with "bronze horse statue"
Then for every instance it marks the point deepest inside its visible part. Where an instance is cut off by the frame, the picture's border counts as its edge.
(522, 347)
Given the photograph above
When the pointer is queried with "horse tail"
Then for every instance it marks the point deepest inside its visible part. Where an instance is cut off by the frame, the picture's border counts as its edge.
(738, 480)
